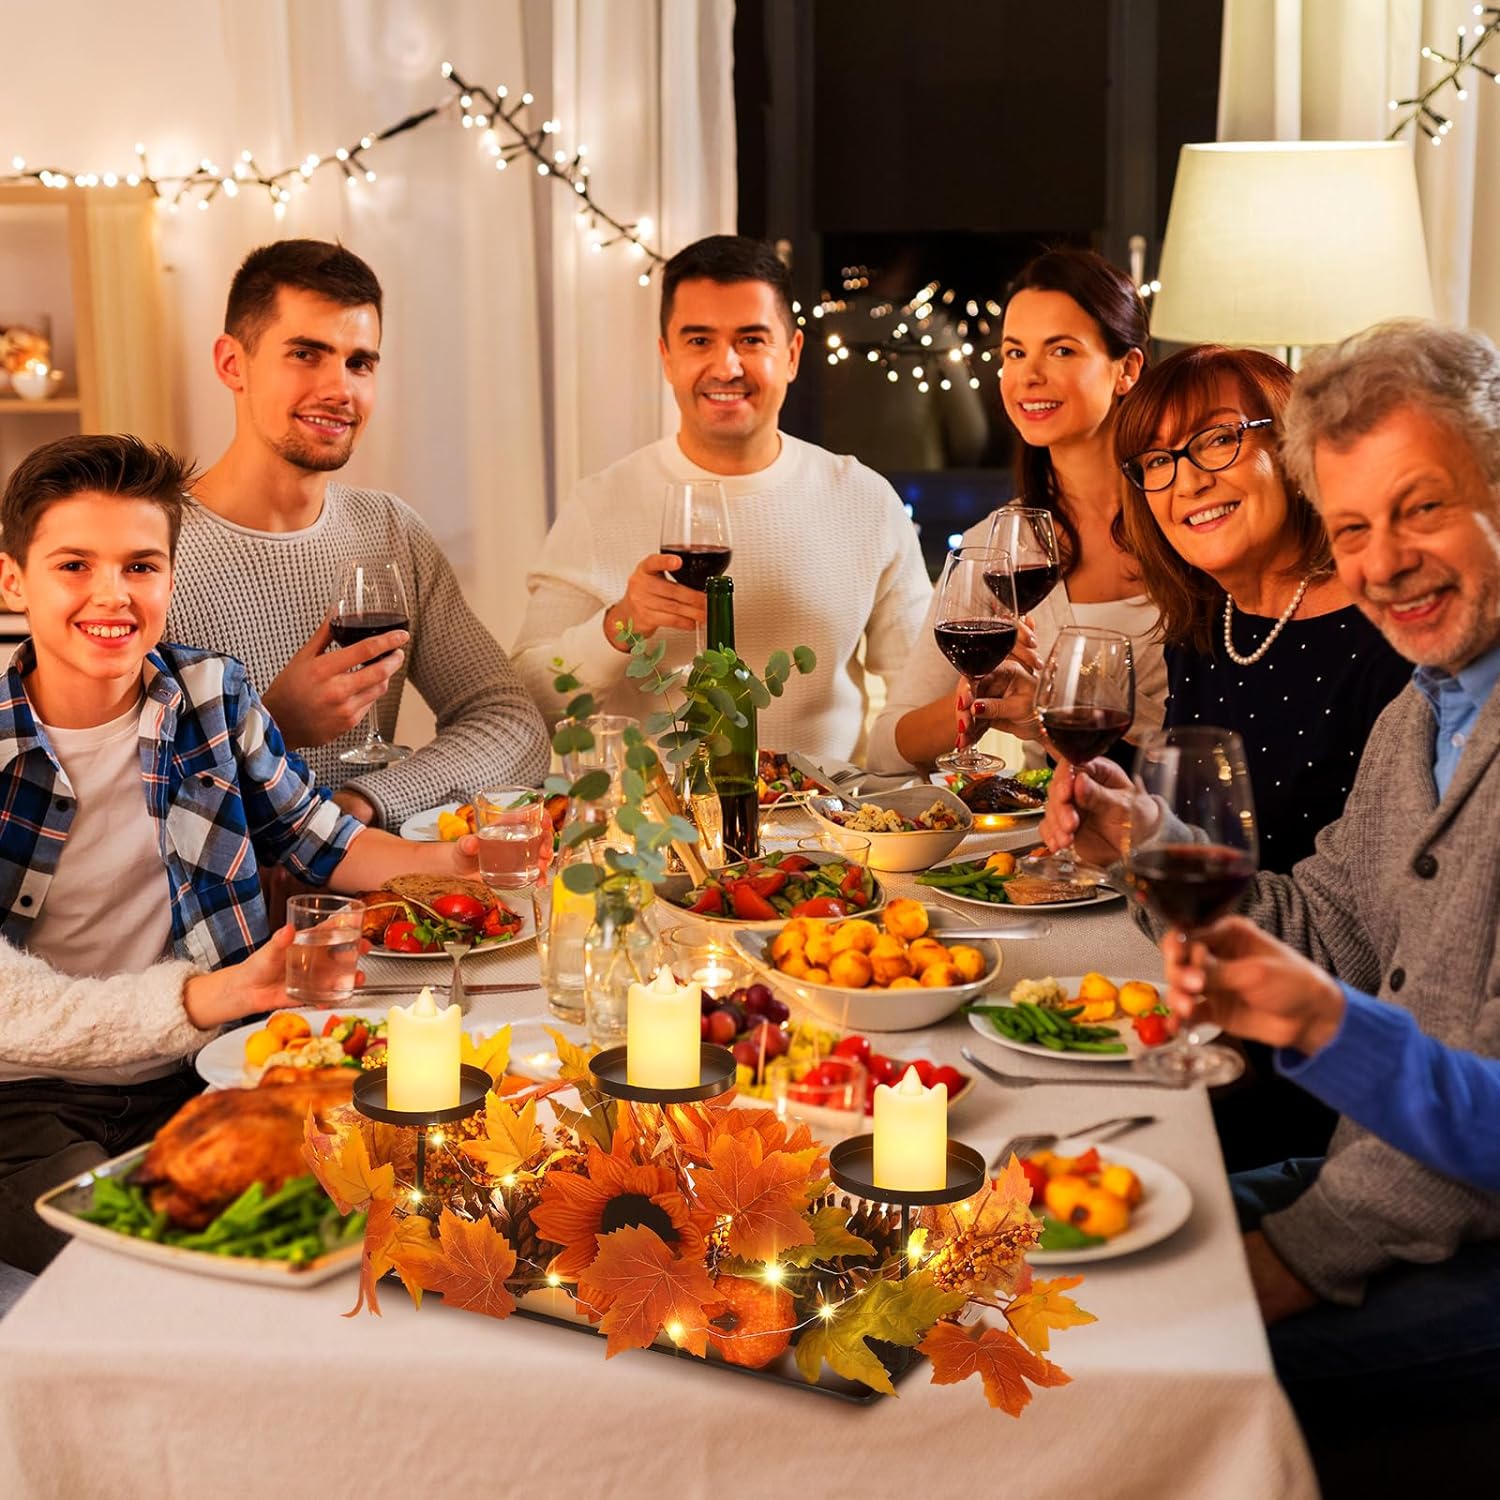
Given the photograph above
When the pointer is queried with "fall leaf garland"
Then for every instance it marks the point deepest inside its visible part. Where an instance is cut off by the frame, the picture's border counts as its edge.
(698, 1224)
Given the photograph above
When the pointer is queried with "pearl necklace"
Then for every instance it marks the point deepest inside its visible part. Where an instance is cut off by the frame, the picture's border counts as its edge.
(1276, 629)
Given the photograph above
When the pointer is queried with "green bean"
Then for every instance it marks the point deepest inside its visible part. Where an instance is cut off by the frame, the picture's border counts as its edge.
(1055, 1043)
(1111, 1047)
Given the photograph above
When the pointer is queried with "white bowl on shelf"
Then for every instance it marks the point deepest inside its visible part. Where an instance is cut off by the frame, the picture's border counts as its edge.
(879, 1009)
(900, 853)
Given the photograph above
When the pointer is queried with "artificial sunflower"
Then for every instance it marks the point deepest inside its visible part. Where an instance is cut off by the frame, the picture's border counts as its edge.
(613, 1192)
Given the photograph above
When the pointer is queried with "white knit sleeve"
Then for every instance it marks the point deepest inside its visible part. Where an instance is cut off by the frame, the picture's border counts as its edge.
(565, 615)
(50, 1020)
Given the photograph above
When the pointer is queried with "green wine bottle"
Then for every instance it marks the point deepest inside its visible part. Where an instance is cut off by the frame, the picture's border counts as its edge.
(734, 770)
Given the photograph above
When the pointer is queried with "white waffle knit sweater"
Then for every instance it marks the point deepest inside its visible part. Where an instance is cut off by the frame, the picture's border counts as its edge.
(824, 555)
(260, 595)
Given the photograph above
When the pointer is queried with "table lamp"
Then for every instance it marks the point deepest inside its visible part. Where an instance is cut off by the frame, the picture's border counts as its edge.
(1290, 243)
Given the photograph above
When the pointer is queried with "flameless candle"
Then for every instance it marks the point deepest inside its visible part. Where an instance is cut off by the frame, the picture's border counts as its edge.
(911, 1135)
(423, 1049)
(663, 1033)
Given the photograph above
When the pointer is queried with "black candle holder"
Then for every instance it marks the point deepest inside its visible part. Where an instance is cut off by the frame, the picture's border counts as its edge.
(474, 1084)
(851, 1164)
(716, 1074)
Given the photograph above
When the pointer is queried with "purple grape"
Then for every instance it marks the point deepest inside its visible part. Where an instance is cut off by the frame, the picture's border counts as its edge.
(776, 1011)
(756, 997)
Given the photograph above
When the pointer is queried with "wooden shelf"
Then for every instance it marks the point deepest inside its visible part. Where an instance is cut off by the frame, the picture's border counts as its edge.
(13, 406)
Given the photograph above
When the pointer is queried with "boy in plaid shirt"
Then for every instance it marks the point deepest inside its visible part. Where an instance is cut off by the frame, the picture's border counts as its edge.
(143, 787)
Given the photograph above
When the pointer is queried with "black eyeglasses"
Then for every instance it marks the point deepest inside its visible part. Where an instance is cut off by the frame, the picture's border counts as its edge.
(1212, 449)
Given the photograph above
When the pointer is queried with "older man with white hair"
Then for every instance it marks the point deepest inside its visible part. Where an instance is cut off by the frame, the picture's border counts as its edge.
(1368, 1266)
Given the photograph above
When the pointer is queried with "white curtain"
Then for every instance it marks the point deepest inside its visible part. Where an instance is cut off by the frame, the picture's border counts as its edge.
(514, 359)
(1327, 69)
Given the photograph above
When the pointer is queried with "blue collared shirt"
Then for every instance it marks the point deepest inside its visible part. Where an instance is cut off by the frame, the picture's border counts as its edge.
(1456, 701)
(224, 792)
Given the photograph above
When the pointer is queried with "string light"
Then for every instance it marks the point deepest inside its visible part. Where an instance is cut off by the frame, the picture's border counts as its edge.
(1419, 110)
(476, 108)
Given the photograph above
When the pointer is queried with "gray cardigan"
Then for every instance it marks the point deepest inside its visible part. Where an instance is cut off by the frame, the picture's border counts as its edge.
(1401, 899)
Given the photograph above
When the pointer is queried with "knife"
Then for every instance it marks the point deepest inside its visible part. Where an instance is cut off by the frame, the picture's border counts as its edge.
(799, 762)
(470, 989)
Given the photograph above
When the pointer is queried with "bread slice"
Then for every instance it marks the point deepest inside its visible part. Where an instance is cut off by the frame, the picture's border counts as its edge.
(1027, 890)
(428, 888)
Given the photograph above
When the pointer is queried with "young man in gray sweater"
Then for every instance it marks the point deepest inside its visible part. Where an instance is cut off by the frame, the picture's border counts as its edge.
(1368, 1266)
(266, 542)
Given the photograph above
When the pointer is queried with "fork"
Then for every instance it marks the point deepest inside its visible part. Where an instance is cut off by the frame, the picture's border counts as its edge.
(1025, 1081)
(1105, 1130)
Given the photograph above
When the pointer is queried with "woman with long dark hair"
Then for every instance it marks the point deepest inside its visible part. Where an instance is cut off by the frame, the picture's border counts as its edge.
(1073, 343)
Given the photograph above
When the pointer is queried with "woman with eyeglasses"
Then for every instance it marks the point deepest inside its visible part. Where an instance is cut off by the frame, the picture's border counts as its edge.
(1073, 343)
(1261, 638)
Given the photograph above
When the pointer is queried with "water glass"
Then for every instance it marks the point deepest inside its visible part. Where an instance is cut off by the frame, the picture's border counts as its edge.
(323, 961)
(562, 922)
(514, 830)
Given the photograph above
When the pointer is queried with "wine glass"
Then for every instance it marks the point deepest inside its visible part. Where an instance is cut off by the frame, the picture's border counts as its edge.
(371, 600)
(1085, 700)
(1026, 532)
(976, 630)
(1195, 863)
(695, 529)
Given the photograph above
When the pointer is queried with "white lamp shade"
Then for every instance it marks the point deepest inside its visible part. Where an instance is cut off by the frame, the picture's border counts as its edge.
(1291, 243)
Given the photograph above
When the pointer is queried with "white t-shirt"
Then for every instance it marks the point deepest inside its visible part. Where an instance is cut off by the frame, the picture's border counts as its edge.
(928, 674)
(824, 556)
(108, 909)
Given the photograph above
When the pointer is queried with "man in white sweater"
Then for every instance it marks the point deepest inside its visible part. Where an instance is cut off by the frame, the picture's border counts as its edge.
(824, 553)
(263, 549)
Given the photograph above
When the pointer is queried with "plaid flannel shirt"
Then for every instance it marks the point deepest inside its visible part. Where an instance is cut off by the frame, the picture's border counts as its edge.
(225, 794)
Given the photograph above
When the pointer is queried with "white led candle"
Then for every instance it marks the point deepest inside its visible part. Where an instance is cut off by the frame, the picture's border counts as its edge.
(663, 1034)
(911, 1135)
(423, 1050)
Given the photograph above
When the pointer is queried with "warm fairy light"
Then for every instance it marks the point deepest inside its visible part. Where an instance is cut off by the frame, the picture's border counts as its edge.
(416, 1195)
(434, 1137)
(509, 1180)
(674, 1331)
(825, 1311)
(553, 1279)
(774, 1274)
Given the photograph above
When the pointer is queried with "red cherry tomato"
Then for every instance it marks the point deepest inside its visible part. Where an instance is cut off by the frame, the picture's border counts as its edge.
(882, 1068)
(750, 905)
(357, 1040)
(401, 937)
(854, 1046)
(1151, 1028)
(926, 1071)
(853, 884)
(794, 864)
(457, 907)
(330, 1023)
(821, 906)
(711, 900)
(769, 883)
(500, 921)
(950, 1077)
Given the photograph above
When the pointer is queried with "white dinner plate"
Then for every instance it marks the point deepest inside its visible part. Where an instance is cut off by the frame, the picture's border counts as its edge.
(1121, 1024)
(221, 1064)
(522, 909)
(1164, 1208)
(1102, 894)
(61, 1206)
(422, 827)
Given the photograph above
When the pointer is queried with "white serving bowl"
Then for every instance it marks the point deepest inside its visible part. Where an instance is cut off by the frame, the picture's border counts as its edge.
(872, 1009)
(900, 852)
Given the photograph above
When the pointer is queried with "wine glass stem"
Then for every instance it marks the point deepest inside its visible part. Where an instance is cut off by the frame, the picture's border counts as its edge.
(372, 729)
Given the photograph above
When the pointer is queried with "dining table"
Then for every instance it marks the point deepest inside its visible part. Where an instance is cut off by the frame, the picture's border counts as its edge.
(123, 1378)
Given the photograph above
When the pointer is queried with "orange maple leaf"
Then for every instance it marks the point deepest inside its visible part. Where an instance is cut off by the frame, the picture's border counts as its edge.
(467, 1267)
(342, 1165)
(762, 1194)
(1002, 1361)
(644, 1288)
(699, 1126)
(385, 1235)
(1044, 1307)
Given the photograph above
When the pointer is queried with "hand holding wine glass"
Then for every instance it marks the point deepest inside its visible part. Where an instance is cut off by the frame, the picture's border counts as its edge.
(976, 630)
(1195, 863)
(371, 600)
(1084, 702)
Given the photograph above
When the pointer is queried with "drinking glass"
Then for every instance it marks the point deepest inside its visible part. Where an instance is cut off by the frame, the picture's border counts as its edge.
(513, 829)
(607, 753)
(371, 600)
(323, 961)
(695, 528)
(1195, 863)
(976, 630)
(563, 919)
(1085, 700)
(1027, 534)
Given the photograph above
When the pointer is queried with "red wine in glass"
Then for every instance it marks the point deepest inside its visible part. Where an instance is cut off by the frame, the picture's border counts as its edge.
(1034, 581)
(349, 630)
(1079, 734)
(1190, 885)
(699, 564)
(976, 647)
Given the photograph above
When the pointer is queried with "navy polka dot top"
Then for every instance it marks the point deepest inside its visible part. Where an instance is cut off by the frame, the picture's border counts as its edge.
(1304, 711)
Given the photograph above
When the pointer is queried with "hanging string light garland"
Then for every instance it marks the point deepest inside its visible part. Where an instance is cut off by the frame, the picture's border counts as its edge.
(1419, 109)
(505, 132)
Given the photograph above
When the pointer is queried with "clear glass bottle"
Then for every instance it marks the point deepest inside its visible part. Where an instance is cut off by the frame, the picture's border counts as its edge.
(620, 949)
(563, 919)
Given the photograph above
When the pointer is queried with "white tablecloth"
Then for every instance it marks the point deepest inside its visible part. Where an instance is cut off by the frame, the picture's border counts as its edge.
(121, 1379)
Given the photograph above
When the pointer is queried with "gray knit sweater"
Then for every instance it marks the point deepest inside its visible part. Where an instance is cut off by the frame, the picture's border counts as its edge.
(260, 595)
(1401, 899)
